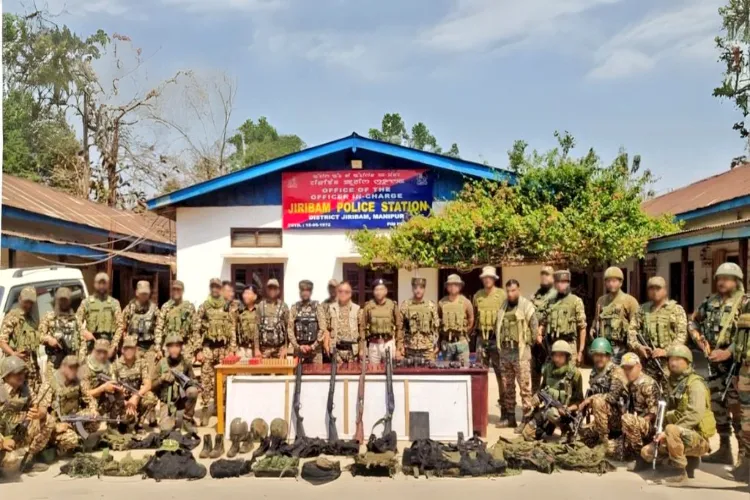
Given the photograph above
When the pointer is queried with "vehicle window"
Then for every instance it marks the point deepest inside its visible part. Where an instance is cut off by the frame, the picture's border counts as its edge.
(45, 294)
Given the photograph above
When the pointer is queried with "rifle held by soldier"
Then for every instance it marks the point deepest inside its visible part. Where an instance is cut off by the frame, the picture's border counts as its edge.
(359, 434)
(299, 429)
(185, 382)
(104, 378)
(330, 419)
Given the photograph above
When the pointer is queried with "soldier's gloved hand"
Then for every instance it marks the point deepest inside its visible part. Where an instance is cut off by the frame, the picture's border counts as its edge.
(168, 377)
(7, 444)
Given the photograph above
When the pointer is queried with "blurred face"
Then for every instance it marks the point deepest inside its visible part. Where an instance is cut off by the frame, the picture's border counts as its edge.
(513, 292)
(726, 285)
(174, 350)
(101, 356)
(344, 293)
(678, 365)
(227, 291)
(612, 284)
(15, 380)
(305, 293)
(249, 296)
(63, 304)
(418, 291)
(453, 289)
(70, 373)
(101, 287)
(562, 287)
(380, 292)
(546, 280)
(143, 297)
(657, 294)
(559, 359)
(177, 293)
(272, 292)
(600, 360)
(488, 282)
(216, 291)
(26, 305)
(128, 353)
(633, 372)
(332, 292)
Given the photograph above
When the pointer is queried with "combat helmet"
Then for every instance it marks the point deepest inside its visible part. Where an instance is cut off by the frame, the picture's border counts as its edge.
(237, 429)
(11, 364)
(279, 429)
(729, 269)
(562, 346)
(600, 346)
(258, 429)
(614, 272)
(680, 351)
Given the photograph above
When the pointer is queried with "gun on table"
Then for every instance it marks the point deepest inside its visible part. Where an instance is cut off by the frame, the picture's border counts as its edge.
(79, 422)
(185, 382)
(104, 378)
(299, 429)
(359, 434)
(661, 411)
(333, 434)
(390, 402)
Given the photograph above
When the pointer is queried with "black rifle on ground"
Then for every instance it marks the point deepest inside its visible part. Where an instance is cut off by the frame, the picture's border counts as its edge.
(299, 429)
(390, 402)
(185, 382)
(104, 378)
(333, 435)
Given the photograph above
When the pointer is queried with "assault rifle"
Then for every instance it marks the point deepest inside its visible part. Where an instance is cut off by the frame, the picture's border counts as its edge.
(651, 358)
(661, 411)
(359, 434)
(333, 435)
(19, 433)
(79, 422)
(104, 378)
(185, 382)
(548, 401)
(299, 429)
(390, 403)
(734, 369)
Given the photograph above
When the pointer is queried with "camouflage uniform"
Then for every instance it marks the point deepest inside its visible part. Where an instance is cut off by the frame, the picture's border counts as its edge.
(563, 320)
(271, 335)
(66, 329)
(174, 319)
(134, 375)
(486, 306)
(454, 328)
(307, 323)
(90, 369)
(344, 323)
(612, 321)
(661, 327)
(168, 389)
(564, 385)
(741, 354)
(13, 403)
(247, 330)
(610, 393)
(139, 321)
(516, 325)
(102, 317)
(215, 335)
(382, 329)
(541, 300)
(638, 425)
(20, 332)
(420, 327)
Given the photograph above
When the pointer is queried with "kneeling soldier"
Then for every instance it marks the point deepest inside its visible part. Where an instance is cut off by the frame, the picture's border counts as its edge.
(134, 407)
(99, 395)
(307, 321)
(177, 401)
(638, 425)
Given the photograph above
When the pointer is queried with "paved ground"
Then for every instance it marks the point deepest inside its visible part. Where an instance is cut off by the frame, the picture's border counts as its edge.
(566, 485)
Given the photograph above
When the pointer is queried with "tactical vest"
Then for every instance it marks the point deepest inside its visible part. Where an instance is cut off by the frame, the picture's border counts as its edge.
(142, 324)
(170, 393)
(454, 319)
(542, 300)
(679, 401)
(657, 325)
(306, 323)
(65, 331)
(487, 309)
(380, 320)
(100, 320)
(11, 408)
(346, 329)
(177, 320)
(601, 383)
(717, 317)
(130, 375)
(219, 328)
(248, 326)
(26, 337)
(67, 397)
(613, 323)
(561, 322)
(271, 326)
(559, 381)
(511, 328)
(419, 318)
(94, 369)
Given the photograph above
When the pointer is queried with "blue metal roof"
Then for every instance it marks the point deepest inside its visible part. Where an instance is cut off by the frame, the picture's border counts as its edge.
(352, 142)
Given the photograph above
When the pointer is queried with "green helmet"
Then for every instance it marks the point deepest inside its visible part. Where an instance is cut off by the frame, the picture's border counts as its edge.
(600, 346)
(729, 269)
(613, 272)
(11, 364)
(258, 429)
(237, 429)
(562, 346)
(680, 351)
(279, 428)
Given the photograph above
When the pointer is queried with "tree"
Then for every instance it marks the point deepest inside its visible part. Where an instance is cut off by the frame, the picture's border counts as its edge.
(259, 142)
(393, 130)
(573, 210)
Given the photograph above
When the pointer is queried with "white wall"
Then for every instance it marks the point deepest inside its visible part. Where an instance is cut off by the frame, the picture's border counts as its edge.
(527, 276)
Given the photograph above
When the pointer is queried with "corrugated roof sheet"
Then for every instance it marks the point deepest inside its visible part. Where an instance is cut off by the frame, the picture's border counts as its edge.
(706, 192)
(40, 199)
(707, 227)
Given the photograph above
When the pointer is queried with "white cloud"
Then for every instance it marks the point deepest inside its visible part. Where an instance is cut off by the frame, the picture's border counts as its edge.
(227, 5)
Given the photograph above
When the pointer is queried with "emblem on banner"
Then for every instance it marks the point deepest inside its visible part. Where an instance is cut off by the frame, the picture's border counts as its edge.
(422, 179)
(292, 183)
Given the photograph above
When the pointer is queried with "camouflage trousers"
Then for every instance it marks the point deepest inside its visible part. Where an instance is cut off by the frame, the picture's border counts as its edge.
(636, 431)
(420, 354)
(145, 411)
(678, 444)
(184, 404)
(313, 357)
(538, 358)
(515, 368)
(376, 350)
(743, 387)
(490, 357)
(37, 437)
(270, 352)
(347, 355)
(456, 351)
(65, 437)
(727, 414)
(212, 356)
(605, 417)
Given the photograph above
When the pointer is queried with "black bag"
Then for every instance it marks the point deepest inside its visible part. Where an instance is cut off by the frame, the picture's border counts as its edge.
(178, 464)
(230, 468)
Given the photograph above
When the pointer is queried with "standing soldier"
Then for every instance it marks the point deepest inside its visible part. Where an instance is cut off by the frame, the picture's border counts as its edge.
(214, 336)
(135, 409)
(661, 323)
(638, 424)
(139, 321)
(273, 316)
(456, 320)
(421, 324)
(541, 299)
(175, 318)
(247, 325)
(487, 302)
(99, 314)
(101, 396)
(516, 329)
(689, 422)
(382, 325)
(60, 332)
(19, 336)
(713, 328)
(565, 317)
(614, 312)
(741, 356)
(306, 325)
(333, 286)
(228, 292)
(345, 325)
(176, 402)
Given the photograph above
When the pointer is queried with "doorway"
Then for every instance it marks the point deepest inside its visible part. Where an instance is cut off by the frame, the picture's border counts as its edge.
(258, 274)
(675, 288)
(361, 279)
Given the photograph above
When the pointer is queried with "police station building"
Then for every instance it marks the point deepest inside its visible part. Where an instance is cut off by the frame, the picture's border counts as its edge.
(288, 218)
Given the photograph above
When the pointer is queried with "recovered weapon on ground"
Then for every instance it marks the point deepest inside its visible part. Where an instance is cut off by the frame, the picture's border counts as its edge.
(104, 378)
(299, 429)
(185, 382)
(79, 422)
(333, 435)
(661, 411)
(390, 402)
(359, 434)
(575, 426)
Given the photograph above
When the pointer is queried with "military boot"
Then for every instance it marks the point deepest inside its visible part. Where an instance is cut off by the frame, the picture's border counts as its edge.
(218, 447)
(503, 422)
(640, 465)
(512, 424)
(208, 412)
(674, 475)
(741, 473)
(207, 447)
(234, 449)
(692, 465)
(723, 455)
(246, 445)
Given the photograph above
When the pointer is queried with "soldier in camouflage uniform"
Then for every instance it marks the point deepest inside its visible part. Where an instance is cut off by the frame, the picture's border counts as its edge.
(345, 326)
(134, 409)
(174, 318)
(689, 422)
(741, 356)
(139, 321)
(100, 316)
(661, 323)
(176, 403)
(273, 319)
(98, 395)
(247, 323)
(487, 302)
(307, 320)
(608, 393)
(565, 317)
(60, 332)
(333, 285)
(614, 312)
(516, 329)
(214, 336)
(456, 321)
(713, 328)
(638, 421)
(420, 324)
(541, 299)
(19, 336)
(382, 325)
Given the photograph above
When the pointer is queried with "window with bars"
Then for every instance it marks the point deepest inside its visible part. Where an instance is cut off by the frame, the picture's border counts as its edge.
(255, 237)
(361, 279)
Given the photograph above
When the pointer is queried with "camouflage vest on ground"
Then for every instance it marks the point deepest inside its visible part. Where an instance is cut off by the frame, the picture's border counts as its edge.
(487, 310)
(100, 318)
(248, 326)
(658, 328)
(142, 323)
(613, 323)
(306, 322)
(130, 375)
(561, 319)
(219, 327)
(271, 326)
(170, 393)
(679, 401)
(559, 381)
(67, 397)
(601, 382)
(344, 329)
(454, 318)
(12, 408)
(380, 319)
(720, 320)
(418, 323)
(177, 320)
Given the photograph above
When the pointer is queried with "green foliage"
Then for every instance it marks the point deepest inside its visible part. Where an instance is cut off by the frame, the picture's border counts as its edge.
(562, 208)
(393, 130)
(259, 142)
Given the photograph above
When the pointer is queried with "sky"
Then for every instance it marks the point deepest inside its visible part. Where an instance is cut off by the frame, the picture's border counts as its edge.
(632, 74)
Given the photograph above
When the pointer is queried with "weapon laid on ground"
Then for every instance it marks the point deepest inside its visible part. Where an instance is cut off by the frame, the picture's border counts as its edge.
(299, 429)
(390, 402)
(185, 382)
(661, 411)
(653, 360)
(333, 435)
(104, 378)
(359, 434)
(79, 422)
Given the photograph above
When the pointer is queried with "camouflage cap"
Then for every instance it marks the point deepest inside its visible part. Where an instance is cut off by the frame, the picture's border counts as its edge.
(656, 282)
(305, 285)
(169, 445)
(143, 287)
(562, 275)
(273, 282)
(614, 272)
(630, 359)
(214, 282)
(28, 294)
(333, 282)
(178, 285)
(130, 341)
(454, 279)
(418, 281)
(173, 339)
(11, 364)
(101, 277)
(63, 293)
(70, 360)
(548, 270)
(101, 345)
